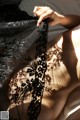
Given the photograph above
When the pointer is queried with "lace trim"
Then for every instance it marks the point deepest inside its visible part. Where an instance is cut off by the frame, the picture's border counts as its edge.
(34, 84)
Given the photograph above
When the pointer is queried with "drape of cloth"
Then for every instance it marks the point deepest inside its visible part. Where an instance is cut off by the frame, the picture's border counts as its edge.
(17, 35)
(13, 22)
(14, 42)
(57, 76)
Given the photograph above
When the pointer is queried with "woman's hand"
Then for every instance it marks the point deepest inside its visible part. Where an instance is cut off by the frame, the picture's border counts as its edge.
(68, 21)
(43, 12)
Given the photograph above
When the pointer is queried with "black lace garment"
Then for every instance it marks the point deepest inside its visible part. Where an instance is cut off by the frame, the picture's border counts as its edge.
(18, 32)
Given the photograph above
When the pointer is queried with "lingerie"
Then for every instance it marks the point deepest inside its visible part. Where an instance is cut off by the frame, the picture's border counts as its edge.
(17, 34)
(26, 65)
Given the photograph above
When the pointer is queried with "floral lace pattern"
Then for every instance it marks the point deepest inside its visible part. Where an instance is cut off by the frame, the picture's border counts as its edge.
(24, 75)
(18, 82)
(30, 75)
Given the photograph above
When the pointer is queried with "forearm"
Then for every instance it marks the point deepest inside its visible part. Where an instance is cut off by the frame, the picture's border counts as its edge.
(70, 21)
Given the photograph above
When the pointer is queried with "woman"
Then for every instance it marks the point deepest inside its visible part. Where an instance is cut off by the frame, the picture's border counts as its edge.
(58, 73)
(55, 18)
(68, 21)
(62, 61)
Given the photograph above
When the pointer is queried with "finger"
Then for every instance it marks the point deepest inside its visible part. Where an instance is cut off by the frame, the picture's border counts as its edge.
(42, 17)
(40, 12)
(36, 8)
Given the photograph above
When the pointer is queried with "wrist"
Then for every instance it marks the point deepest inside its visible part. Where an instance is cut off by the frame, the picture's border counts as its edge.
(61, 18)
(58, 18)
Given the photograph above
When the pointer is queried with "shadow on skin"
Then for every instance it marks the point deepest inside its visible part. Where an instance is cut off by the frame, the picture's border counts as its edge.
(72, 102)
(69, 56)
(51, 106)
(54, 102)
(70, 61)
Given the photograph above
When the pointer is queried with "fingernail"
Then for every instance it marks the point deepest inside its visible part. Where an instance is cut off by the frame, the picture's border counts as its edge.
(37, 24)
(35, 15)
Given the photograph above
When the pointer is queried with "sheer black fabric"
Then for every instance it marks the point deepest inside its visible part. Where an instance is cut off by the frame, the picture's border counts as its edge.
(18, 32)
(10, 45)
(9, 2)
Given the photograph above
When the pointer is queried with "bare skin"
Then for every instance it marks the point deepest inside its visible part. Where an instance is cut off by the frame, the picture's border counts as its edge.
(73, 101)
(68, 21)
(54, 102)
(43, 12)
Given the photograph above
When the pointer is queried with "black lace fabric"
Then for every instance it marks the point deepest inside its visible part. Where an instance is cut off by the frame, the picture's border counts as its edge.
(13, 40)
(28, 65)
(18, 32)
